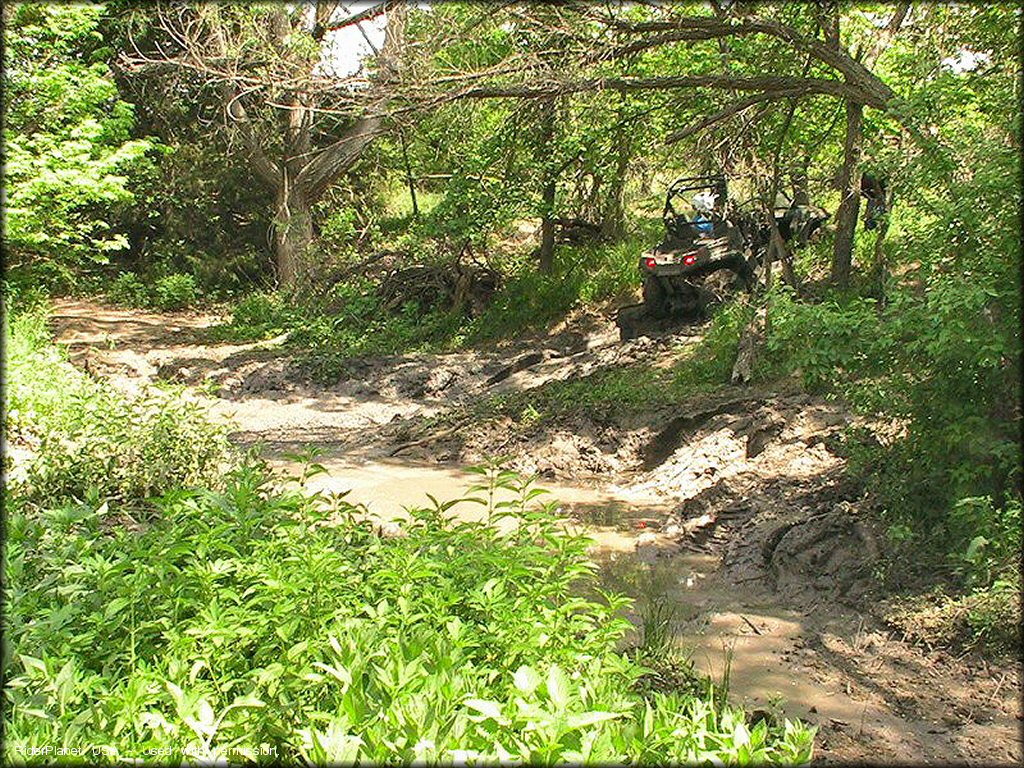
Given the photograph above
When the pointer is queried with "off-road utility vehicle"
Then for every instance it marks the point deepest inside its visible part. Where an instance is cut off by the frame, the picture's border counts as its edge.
(700, 239)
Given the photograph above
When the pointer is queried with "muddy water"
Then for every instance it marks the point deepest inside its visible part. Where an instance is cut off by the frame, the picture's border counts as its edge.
(389, 487)
(737, 635)
(735, 639)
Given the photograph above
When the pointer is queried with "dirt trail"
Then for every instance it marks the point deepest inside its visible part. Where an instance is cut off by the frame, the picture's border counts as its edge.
(731, 516)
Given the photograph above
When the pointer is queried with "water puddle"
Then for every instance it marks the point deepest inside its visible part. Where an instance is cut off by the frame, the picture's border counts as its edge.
(614, 517)
(731, 635)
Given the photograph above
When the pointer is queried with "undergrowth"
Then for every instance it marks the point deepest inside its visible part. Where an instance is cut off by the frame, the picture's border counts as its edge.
(350, 320)
(173, 291)
(941, 369)
(617, 391)
(79, 438)
(242, 620)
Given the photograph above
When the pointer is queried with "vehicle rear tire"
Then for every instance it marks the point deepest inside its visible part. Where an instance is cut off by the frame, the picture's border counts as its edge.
(655, 297)
(628, 321)
(688, 301)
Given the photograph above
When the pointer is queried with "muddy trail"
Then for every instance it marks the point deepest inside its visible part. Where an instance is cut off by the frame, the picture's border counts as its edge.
(729, 517)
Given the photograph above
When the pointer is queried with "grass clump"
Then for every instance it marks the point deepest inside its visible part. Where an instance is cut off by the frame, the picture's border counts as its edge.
(77, 438)
(987, 618)
(584, 275)
(601, 395)
(708, 364)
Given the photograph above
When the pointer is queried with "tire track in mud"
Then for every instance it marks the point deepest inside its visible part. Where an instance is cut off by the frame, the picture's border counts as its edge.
(732, 509)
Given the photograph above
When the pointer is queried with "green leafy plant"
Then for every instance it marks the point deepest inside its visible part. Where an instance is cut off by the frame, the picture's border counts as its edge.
(69, 156)
(128, 290)
(81, 439)
(175, 291)
(241, 620)
(254, 616)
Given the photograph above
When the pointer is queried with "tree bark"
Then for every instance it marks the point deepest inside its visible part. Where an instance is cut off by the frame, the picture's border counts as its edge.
(293, 232)
(409, 180)
(613, 219)
(846, 216)
(546, 255)
(279, 119)
(879, 267)
(751, 339)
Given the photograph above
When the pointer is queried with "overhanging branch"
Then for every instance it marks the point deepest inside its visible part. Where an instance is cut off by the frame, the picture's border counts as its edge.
(723, 114)
(874, 92)
(770, 86)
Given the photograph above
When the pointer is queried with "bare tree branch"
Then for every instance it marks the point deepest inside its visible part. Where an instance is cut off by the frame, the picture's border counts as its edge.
(772, 85)
(874, 92)
(734, 108)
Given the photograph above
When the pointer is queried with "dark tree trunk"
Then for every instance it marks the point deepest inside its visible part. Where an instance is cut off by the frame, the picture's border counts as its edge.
(879, 267)
(546, 255)
(409, 178)
(613, 218)
(849, 183)
(293, 233)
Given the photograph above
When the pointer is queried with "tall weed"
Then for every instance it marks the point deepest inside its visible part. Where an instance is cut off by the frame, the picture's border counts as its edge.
(75, 437)
(255, 619)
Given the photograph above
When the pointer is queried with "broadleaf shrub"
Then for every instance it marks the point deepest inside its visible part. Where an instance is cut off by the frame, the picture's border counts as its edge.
(244, 620)
(127, 290)
(80, 438)
(254, 616)
(175, 291)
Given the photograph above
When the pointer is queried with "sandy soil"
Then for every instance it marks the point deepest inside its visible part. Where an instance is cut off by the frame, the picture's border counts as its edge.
(731, 513)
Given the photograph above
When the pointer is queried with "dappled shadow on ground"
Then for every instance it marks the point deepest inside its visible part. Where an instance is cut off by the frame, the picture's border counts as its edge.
(86, 322)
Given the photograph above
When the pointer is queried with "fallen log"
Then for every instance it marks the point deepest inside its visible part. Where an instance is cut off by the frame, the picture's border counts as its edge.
(429, 438)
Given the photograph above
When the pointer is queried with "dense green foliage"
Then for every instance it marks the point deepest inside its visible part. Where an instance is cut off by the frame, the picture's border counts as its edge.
(174, 291)
(935, 346)
(85, 440)
(69, 152)
(246, 621)
(162, 592)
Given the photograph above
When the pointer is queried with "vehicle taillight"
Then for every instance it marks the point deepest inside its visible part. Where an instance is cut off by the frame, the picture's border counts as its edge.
(689, 259)
(651, 262)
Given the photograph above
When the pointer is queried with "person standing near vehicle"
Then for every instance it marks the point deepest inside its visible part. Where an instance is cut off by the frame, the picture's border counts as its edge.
(704, 204)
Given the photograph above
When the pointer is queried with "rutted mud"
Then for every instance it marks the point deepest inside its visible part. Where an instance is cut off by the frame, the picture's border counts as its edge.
(729, 514)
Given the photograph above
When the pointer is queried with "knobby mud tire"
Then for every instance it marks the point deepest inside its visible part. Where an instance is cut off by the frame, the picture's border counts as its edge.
(655, 298)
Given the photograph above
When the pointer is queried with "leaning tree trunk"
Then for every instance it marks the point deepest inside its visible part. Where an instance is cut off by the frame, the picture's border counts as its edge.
(849, 183)
(293, 233)
(613, 219)
(546, 255)
(879, 267)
